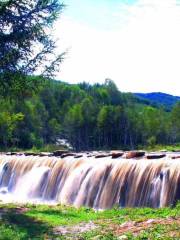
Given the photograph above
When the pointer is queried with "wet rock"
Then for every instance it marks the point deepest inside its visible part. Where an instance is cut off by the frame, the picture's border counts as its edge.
(4, 190)
(175, 157)
(103, 155)
(30, 154)
(59, 153)
(134, 154)
(19, 153)
(11, 153)
(14, 153)
(177, 150)
(45, 154)
(155, 156)
(116, 154)
(68, 155)
(78, 156)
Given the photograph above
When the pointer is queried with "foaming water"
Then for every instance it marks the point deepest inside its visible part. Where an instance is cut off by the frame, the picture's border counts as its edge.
(98, 183)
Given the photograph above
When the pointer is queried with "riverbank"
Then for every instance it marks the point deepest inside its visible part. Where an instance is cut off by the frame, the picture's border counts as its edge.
(51, 148)
(20, 222)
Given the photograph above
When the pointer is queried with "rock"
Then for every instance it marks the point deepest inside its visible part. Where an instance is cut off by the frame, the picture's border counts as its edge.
(134, 154)
(14, 153)
(163, 150)
(78, 156)
(155, 156)
(76, 229)
(102, 155)
(58, 153)
(68, 155)
(4, 190)
(123, 237)
(176, 150)
(8, 153)
(11, 153)
(175, 157)
(31, 154)
(116, 154)
(45, 154)
(19, 154)
(150, 221)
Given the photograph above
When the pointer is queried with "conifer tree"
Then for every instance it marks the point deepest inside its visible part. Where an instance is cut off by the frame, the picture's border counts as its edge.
(26, 43)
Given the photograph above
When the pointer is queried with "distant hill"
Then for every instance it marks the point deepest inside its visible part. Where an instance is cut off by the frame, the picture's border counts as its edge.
(159, 99)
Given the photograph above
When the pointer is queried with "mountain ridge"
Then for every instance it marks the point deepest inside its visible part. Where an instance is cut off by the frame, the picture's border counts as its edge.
(159, 98)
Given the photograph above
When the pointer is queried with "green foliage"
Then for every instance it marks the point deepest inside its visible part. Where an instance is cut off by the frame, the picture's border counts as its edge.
(175, 122)
(88, 116)
(151, 141)
(26, 44)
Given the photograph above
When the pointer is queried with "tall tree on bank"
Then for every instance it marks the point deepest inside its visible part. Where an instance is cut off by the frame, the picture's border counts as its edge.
(26, 44)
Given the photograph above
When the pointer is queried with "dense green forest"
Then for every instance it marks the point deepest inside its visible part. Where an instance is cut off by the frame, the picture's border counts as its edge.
(90, 117)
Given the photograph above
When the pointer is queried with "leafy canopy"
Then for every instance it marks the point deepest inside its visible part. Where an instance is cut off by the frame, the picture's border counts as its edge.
(26, 43)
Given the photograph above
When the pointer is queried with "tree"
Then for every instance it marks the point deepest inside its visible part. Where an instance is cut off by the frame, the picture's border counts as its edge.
(9, 121)
(26, 43)
(73, 126)
(105, 123)
(175, 123)
(114, 94)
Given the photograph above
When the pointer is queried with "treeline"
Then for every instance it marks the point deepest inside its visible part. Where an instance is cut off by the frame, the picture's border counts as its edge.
(89, 116)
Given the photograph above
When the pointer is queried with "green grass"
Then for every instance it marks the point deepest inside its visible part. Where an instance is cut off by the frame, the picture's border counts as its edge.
(45, 148)
(37, 221)
(159, 147)
(63, 215)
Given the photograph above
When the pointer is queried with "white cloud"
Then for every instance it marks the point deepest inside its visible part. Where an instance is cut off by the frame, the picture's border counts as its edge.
(141, 55)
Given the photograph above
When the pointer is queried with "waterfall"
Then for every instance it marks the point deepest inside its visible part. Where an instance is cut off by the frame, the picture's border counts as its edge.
(99, 183)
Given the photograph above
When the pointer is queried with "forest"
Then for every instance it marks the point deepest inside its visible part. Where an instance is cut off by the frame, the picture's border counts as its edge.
(90, 117)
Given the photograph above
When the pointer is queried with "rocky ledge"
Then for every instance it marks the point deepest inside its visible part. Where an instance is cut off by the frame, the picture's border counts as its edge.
(114, 154)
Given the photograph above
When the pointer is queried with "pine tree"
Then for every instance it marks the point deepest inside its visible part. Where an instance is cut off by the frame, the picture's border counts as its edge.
(26, 44)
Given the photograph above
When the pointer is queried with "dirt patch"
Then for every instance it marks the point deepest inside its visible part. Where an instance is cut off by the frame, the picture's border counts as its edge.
(77, 229)
(136, 227)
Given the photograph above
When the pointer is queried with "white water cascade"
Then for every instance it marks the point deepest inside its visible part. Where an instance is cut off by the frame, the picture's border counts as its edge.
(99, 183)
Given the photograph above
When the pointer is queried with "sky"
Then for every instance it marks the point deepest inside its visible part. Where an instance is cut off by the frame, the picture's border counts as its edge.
(136, 43)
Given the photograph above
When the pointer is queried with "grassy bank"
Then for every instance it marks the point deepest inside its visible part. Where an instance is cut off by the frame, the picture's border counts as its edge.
(49, 222)
(175, 147)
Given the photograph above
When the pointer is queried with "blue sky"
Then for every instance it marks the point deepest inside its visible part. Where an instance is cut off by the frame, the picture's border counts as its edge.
(134, 42)
(97, 13)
